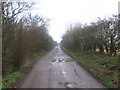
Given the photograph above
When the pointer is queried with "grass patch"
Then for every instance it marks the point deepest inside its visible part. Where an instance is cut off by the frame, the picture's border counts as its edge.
(9, 79)
(105, 68)
(38, 55)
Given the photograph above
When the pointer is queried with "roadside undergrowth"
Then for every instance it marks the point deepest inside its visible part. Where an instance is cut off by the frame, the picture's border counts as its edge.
(104, 68)
(12, 77)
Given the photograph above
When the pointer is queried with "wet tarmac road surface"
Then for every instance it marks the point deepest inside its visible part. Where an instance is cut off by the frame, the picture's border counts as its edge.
(58, 70)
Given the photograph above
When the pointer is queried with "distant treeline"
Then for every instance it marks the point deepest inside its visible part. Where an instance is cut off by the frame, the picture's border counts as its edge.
(102, 36)
(22, 36)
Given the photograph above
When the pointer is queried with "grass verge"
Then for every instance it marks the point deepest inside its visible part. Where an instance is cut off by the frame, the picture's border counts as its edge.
(9, 79)
(104, 68)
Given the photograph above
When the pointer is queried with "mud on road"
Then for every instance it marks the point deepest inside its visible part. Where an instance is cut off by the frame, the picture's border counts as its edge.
(58, 70)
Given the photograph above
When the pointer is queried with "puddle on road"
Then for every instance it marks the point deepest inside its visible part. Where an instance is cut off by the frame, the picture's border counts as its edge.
(68, 84)
(62, 59)
(64, 74)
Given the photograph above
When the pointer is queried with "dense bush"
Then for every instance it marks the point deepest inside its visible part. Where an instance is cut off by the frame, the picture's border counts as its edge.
(22, 36)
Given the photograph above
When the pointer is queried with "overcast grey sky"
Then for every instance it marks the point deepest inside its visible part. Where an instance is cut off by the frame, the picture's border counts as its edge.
(65, 12)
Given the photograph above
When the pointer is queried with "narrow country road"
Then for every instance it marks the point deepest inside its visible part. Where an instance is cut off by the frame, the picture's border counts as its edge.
(58, 70)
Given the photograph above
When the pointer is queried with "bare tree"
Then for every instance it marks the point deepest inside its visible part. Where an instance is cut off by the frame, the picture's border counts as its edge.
(102, 35)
